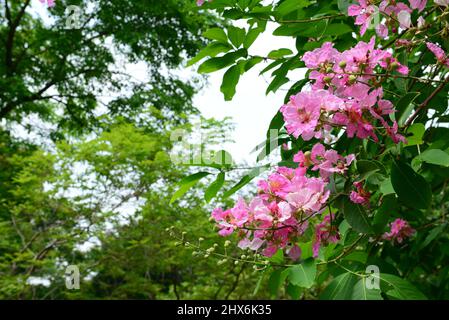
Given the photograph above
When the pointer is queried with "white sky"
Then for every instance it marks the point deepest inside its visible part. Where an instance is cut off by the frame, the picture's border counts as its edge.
(251, 110)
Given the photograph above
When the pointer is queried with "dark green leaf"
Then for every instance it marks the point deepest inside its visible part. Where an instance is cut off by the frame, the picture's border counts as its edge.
(410, 187)
(356, 216)
(230, 80)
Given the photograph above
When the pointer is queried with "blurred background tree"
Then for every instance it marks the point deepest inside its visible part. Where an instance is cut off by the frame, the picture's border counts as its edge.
(85, 172)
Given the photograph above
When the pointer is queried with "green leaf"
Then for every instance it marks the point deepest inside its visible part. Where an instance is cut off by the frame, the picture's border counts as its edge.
(275, 54)
(386, 187)
(337, 29)
(415, 134)
(399, 288)
(275, 281)
(389, 205)
(186, 184)
(361, 292)
(252, 36)
(276, 83)
(214, 187)
(410, 187)
(340, 288)
(294, 291)
(289, 6)
(218, 63)
(236, 35)
(303, 275)
(216, 34)
(211, 50)
(356, 216)
(251, 62)
(230, 80)
(434, 156)
(245, 180)
(343, 6)
(433, 234)
(364, 166)
(404, 106)
(308, 29)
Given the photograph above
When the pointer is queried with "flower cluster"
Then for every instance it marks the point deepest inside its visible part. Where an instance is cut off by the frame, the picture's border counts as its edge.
(346, 93)
(400, 229)
(360, 196)
(286, 202)
(387, 15)
(439, 53)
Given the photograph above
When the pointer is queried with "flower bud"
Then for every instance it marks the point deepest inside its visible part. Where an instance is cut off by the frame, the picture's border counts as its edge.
(352, 79)
(394, 65)
(342, 64)
(327, 79)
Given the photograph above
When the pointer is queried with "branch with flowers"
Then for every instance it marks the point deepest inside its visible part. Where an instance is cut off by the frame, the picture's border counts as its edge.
(364, 148)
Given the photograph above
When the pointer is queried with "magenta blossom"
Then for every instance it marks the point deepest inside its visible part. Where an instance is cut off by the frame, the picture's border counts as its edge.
(327, 162)
(303, 112)
(361, 196)
(418, 4)
(439, 53)
(400, 230)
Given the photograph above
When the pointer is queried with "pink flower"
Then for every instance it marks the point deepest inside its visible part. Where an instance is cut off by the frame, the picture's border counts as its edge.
(326, 161)
(307, 194)
(442, 2)
(399, 230)
(418, 4)
(325, 233)
(364, 14)
(231, 219)
(321, 56)
(438, 52)
(199, 3)
(302, 113)
(50, 3)
(254, 244)
(405, 19)
(393, 133)
(361, 196)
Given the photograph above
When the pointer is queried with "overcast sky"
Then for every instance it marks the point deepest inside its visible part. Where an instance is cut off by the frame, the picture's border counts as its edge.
(251, 110)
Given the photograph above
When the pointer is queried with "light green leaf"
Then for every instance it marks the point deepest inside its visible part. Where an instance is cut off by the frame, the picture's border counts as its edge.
(303, 275)
(211, 50)
(236, 35)
(218, 63)
(186, 184)
(361, 292)
(214, 187)
(275, 54)
(216, 34)
(415, 134)
(399, 288)
(434, 156)
(340, 288)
